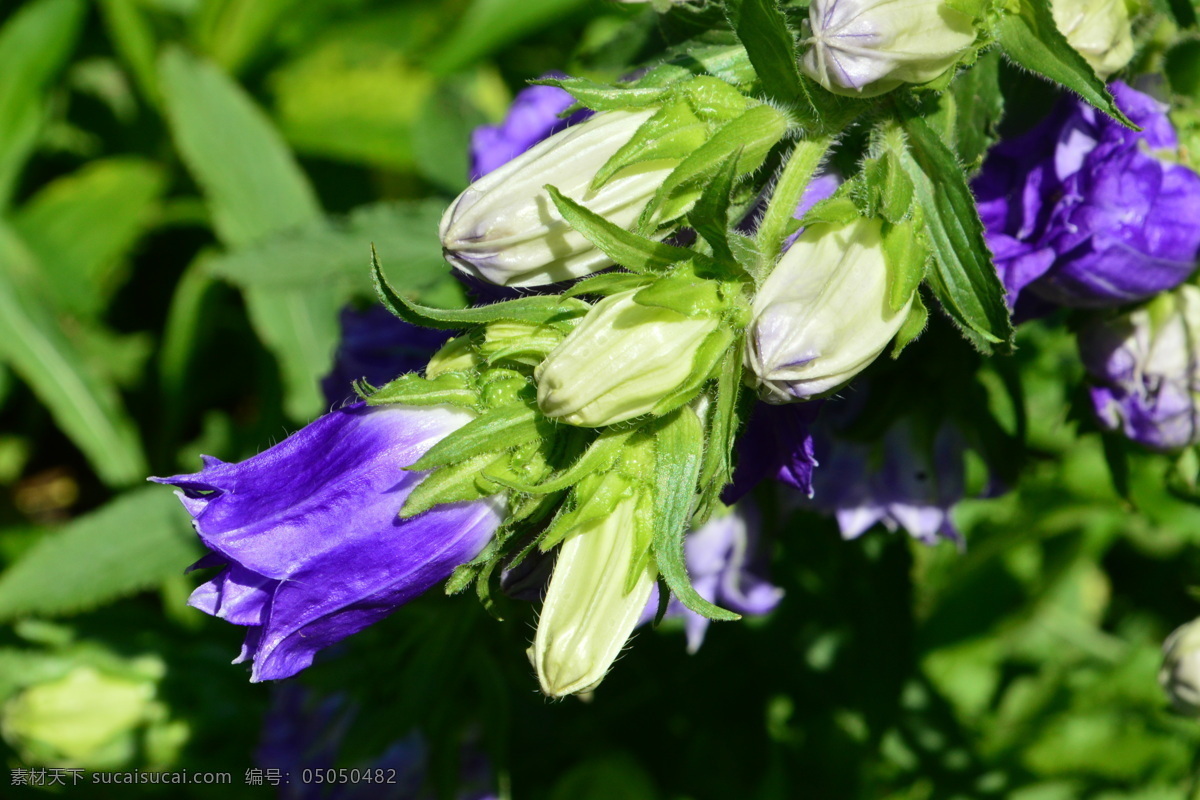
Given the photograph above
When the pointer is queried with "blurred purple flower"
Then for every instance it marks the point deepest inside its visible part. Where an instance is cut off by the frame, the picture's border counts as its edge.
(308, 535)
(728, 566)
(304, 731)
(376, 346)
(1145, 369)
(1080, 211)
(897, 482)
(777, 443)
(532, 117)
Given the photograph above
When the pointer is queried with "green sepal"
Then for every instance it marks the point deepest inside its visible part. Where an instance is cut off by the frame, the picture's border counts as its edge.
(750, 138)
(710, 216)
(451, 484)
(745, 252)
(683, 292)
(889, 190)
(679, 444)
(497, 430)
(451, 388)
(906, 256)
(708, 357)
(713, 100)
(838, 209)
(914, 325)
(671, 134)
(980, 107)
(716, 466)
(728, 62)
(607, 97)
(635, 253)
(1032, 40)
(770, 45)
(608, 283)
(964, 278)
(525, 343)
(599, 457)
(592, 498)
(541, 309)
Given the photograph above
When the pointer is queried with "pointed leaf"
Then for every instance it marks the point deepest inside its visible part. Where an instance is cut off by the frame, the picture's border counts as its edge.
(450, 389)
(763, 29)
(635, 253)
(495, 431)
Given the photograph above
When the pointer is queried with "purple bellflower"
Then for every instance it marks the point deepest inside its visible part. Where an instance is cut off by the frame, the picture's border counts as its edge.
(1145, 370)
(1084, 212)
(376, 346)
(308, 537)
(728, 565)
(533, 116)
(777, 443)
(901, 485)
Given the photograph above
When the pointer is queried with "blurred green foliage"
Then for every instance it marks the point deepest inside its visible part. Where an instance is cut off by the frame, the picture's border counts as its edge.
(188, 194)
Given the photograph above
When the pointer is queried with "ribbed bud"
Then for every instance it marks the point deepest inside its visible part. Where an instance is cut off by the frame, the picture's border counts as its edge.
(505, 229)
(823, 315)
(864, 48)
(588, 615)
(620, 362)
(1098, 29)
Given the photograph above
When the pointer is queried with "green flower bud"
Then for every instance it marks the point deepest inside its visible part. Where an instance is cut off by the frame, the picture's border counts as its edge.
(85, 718)
(620, 361)
(592, 606)
(823, 315)
(1098, 29)
(505, 228)
(1180, 673)
(864, 48)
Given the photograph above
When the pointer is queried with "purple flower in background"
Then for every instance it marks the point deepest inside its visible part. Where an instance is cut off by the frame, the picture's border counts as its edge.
(376, 346)
(1145, 369)
(308, 535)
(532, 117)
(897, 482)
(777, 443)
(1082, 211)
(304, 731)
(727, 565)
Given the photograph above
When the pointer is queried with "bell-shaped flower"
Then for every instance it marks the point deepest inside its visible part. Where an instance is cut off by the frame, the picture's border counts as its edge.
(1081, 211)
(505, 229)
(308, 537)
(1145, 370)
(864, 48)
(1098, 29)
(1180, 672)
(620, 361)
(823, 315)
(590, 608)
(727, 564)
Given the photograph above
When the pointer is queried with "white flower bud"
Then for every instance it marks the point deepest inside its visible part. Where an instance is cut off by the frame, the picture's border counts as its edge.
(864, 48)
(823, 315)
(1098, 29)
(620, 361)
(1180, 673)
(505, 229)
(588, 615)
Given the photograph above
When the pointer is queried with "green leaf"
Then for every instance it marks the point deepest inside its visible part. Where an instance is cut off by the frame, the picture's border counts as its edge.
(906, 256)
(35, 43)
(980, 106)
(671, 134)
(539, 309)
(487, 25)
(763, 30)
(634, 252)
(964, 278)
(606, 97)
(254, 189)
(336, 251)
(716, 469)
(452, 388)
(679, 444)
(608, 283)
(497, 430)
(234, 31)
(710, 216)
(1032, 40)
(598, 458)
(683, 293)
(82, 226)
(84, 405)
(134, 543)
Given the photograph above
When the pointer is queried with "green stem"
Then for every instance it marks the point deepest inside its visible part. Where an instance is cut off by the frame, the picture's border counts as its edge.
(797, 172)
